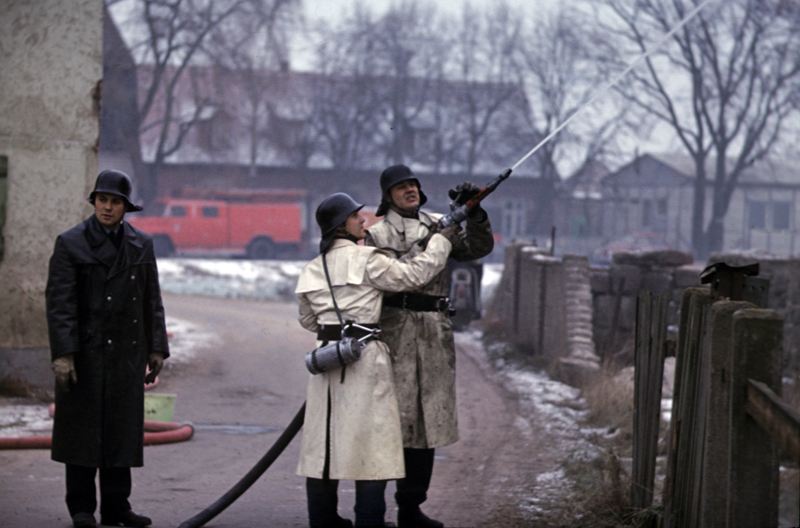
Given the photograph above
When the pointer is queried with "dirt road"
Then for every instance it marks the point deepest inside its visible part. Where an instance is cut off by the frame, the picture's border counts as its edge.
(241, 392)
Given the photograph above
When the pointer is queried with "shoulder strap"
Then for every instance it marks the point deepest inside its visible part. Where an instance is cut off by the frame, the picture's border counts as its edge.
(328, 278)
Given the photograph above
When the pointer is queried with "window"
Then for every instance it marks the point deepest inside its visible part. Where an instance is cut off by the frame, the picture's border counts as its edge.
(647, 213)
(579, 226)
(513, 219)
(177, 210)
(661, 206)
(3, 194)
(781, 216)
(209, 211)
(757, 215)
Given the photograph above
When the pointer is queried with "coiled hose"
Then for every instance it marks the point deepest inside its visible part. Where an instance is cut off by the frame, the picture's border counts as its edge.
(244, 484)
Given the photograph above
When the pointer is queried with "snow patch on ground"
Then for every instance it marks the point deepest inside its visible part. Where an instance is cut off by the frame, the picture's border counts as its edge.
(259, 280)
(17, 421)
(187, 339)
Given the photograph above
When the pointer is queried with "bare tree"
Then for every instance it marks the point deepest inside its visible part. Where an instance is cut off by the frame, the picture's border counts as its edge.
(725, 84)
(558, 65)
(252, 47)
(407, 51)
(347, 97)
(172, 32)
(488, 90)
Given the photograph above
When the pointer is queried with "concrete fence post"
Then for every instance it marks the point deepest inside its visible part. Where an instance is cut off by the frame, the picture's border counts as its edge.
(753, 456)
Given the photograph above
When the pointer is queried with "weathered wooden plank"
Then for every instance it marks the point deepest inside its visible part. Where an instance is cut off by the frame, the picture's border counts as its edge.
(679, 491)
(775, 416)
(753, 456)
(714, 494)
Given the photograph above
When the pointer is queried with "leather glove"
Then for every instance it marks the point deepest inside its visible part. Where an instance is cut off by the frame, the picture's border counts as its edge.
(462, 193)
(64, 369)
(156, 362)
(451, 233)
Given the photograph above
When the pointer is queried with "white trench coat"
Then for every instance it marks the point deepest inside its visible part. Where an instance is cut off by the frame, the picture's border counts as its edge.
(365, 438)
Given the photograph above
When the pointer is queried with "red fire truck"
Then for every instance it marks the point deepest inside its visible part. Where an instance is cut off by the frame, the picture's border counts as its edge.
(259, 224)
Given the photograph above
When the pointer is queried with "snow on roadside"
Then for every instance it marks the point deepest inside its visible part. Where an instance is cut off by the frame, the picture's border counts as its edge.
(258, 280)
(187, 339)
(18, 421)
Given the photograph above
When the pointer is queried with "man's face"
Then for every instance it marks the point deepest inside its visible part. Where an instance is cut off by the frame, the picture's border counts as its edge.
(109, 209)
(355, 225)
(405, 195)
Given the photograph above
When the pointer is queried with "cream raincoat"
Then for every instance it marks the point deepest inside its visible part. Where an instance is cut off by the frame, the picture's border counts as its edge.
(421, 343)
(365, 439)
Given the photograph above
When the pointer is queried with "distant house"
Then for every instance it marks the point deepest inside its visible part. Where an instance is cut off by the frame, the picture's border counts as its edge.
(310, 120)
(281, 129)
(655, 193)
(581, 203)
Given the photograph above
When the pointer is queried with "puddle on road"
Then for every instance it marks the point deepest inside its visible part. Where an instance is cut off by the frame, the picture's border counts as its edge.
(236, 429)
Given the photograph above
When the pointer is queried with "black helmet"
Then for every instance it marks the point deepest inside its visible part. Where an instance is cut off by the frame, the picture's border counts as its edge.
(333, 212)
(114, 182)
(390, 177)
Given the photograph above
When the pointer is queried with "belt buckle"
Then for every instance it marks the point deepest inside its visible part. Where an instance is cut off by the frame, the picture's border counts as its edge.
(405, 298)
(443, 304)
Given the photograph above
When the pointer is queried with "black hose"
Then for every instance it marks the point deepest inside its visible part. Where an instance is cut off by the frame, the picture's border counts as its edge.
(236, 491)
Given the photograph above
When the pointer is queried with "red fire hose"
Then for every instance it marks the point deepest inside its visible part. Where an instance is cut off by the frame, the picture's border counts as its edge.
(155, 433)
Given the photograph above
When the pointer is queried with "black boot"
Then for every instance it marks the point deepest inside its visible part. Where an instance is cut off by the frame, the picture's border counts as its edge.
(323, 502)
(413, 490)
(340, 522)
(414, 518)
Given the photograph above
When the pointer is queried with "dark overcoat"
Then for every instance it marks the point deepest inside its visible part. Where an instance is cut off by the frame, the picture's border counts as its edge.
(104, 306)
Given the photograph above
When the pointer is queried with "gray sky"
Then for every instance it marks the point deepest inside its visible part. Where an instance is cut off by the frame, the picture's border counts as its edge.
(332, 9)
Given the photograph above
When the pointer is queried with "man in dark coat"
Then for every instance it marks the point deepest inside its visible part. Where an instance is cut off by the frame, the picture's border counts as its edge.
(106, 324)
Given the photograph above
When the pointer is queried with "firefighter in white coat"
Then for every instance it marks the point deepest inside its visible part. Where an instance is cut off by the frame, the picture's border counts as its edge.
(352, 422)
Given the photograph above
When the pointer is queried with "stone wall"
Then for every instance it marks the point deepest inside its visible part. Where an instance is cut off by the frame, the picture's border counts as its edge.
(543, 305)
(560, 309)
(52, 65)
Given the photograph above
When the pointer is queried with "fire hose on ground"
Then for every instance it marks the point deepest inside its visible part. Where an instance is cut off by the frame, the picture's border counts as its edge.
(155, 433)
(261, 466)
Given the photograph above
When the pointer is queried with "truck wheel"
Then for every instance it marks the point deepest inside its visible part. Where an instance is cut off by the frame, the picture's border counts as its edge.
(260, 249)
(162, 246)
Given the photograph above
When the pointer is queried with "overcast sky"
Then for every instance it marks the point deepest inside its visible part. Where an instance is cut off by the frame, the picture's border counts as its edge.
(335, 10)
(332, 9)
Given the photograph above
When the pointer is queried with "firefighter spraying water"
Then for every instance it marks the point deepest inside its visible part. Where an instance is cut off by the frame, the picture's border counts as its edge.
(460, 208)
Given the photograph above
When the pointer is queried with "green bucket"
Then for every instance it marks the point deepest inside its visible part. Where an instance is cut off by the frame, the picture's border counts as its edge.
(159, 407)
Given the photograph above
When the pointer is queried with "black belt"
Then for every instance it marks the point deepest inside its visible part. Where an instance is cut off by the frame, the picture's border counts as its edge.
(333, 332)
(418, 302)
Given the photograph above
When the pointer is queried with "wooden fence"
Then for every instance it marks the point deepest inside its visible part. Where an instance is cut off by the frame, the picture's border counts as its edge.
(727, 417)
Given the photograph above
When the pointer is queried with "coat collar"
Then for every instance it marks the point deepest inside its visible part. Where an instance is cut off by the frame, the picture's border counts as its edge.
(340, 243)
(397, 221)
(103, 248)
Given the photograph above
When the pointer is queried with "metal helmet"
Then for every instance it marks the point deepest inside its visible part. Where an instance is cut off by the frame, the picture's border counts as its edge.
(390, 177)
(333, 212)
(114, 182)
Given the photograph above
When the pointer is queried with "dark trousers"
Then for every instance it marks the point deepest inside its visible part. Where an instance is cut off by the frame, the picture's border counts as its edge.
(413, 490)
(323, 502)
(115, 488)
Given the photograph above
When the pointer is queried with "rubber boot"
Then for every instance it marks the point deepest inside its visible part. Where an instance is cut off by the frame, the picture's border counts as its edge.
(370, 505)
(323, 502)
(412, 491)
